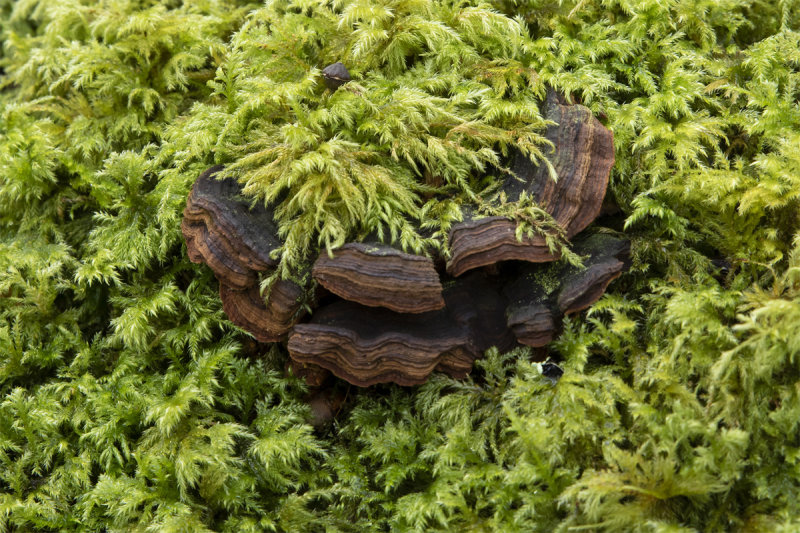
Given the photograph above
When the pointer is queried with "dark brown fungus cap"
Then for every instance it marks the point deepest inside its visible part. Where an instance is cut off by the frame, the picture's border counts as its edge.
(487, 241)
(214, 249)
(379, 275)
(533, 325)
(580, 288)
(268, 321)
(399, 321)
(223, 231)
(335, 76)
(365, 346)
(235, 240)
(583, 156)
(539, 295)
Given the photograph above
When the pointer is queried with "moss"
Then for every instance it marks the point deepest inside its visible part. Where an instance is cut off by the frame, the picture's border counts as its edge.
(547, 279)
(129, 402)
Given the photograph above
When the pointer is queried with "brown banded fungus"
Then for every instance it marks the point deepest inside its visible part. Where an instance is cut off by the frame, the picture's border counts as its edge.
(267, 322)
(540, 295)
(385, 315)
(607, 257)
(366, 345)
(582, 157)
(235, 240)
(379, 275)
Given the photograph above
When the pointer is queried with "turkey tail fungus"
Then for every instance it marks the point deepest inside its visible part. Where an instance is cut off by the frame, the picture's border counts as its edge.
(378, 275)
(235, 240)
(393, 316)
(583, 154)
(366, 346)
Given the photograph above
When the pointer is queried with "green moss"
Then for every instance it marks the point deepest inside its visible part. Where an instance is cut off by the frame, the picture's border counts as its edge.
(438, 94)
(129, 402)
(547, 279)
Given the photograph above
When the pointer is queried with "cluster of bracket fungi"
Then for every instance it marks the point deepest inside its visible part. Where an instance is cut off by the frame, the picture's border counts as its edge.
(384, 315)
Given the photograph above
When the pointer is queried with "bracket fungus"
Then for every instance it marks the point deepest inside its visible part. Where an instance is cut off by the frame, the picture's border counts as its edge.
(366, 346)
(379, 275)
(386, 315)
(268, 321)
(235, 240)
(583, 154)
(540, 295)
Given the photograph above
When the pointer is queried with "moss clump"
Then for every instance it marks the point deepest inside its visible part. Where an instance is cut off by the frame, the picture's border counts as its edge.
(439, 93)
(128, 402)
(547, 279)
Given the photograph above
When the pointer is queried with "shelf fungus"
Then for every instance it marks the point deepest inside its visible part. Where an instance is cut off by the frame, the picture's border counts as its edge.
(223, 231)
(378, 275)
(235, 240)
(582, 157)
(268, 321)
(384, 315)
(540, 295)
(607, 257)
(365, 346)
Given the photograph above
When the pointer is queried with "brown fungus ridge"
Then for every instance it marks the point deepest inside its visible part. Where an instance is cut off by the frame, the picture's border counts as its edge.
(607, 258)
(224, 231)
(235, 239)
(533, 325)
(540, 295)
(486, 241)
(215, 250)
(268, 321)
(398, 321)
(378, 275)
(582, 158)
(366, 346)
